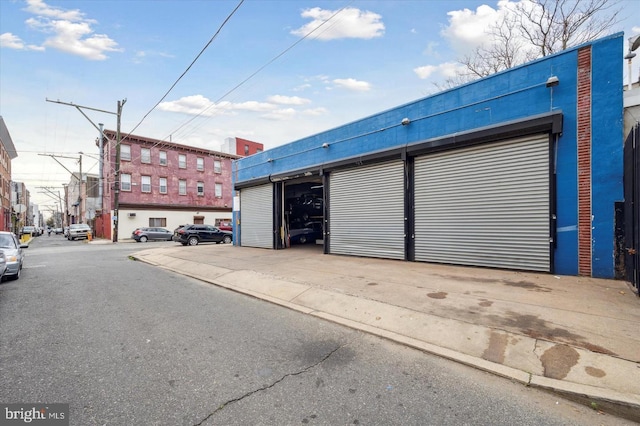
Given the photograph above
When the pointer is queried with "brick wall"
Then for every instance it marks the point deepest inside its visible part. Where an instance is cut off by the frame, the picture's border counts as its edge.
(584, 161)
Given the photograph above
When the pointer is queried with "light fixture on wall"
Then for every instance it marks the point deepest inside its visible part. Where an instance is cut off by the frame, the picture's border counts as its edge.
(405, 121)
(552, 81)
(269, 160)
(325, 145)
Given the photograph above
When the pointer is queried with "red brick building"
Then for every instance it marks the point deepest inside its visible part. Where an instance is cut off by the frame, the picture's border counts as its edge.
(163, 184)
(7, 153)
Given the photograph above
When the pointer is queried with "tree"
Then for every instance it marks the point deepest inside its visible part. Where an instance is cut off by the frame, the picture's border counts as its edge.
(531, 29)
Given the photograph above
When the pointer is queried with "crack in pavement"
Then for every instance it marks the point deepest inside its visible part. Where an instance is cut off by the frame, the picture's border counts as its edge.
(240, 398)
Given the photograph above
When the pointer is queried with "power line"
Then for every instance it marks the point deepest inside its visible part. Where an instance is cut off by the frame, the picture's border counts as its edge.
(188, 68)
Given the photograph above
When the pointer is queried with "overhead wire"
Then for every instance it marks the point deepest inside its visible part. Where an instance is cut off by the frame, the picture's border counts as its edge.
(245, 80)
(215, 35)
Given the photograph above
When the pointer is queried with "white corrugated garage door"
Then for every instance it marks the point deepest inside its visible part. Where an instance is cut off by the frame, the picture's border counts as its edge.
(486, 205)
(366, 211)
(256, 216)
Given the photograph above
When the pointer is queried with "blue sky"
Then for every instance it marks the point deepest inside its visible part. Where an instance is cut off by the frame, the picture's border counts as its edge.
(259, 79)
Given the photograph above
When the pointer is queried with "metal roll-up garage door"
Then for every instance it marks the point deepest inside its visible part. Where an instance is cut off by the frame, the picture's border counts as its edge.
(486, 205)
(256, 216)
(366, 211)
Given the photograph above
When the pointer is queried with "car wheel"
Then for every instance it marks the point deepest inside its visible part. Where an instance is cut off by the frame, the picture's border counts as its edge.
(303, 239)
(17, 275)
(143, 239)
(193, 241)
(227, 239)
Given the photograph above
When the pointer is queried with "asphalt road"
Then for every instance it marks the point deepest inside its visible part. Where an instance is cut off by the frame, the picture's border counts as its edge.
(125, 343)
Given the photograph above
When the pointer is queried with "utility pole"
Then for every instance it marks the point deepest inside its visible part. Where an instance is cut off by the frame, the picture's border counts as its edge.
(81, 188)
(116, 186)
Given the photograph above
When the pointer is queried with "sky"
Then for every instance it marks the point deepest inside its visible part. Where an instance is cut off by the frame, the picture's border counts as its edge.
(198, 71)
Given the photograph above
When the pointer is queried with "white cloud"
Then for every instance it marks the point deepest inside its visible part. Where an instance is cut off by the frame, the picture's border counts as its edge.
(68, 31)
(280, 114)
(447, 69)
(348, 23)
(352, 84)
(467, 29)
(11, 41)
(288, 100)
(38, 7)
(302, 87)
(636, 30)
(200, 105)
(75, 38)
(315, 111)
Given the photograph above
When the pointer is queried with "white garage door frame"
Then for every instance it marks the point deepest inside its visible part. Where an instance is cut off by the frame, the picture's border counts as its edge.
(485, 205)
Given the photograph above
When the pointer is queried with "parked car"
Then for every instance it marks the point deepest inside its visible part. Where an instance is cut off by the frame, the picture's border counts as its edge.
(225, 226)
(305, 206)
(78, 230)
(142, 235)
(58, 231)
(311, 232)
(195, 234)
(3, 265)
(11, 249)
(28, 230)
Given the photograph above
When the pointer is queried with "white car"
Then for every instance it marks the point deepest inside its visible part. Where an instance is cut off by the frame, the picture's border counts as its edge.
(11, 248)
(78, 230)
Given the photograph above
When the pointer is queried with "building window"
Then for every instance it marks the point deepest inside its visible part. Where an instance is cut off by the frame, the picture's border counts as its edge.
(163, 185)
(258, 150)
(125, 152)
(182, 187)
(246, 150)
(158, 221)
(145, 155)
(125, 182)
(200, 163)
(145, 183)
(218, 190)
(217, 166)
(182, 161)
(200, 188)
(163, 158)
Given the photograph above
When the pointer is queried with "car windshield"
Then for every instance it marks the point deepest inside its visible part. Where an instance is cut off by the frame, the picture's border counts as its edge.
(6, 241)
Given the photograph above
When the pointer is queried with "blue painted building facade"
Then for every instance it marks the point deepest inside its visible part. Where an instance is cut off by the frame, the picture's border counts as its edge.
(581, 115)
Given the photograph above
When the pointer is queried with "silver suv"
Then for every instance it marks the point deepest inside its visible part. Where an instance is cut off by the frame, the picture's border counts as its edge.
(78, 230)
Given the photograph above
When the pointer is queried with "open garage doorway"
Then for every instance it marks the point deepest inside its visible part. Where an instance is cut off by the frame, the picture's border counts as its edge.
(303, 212)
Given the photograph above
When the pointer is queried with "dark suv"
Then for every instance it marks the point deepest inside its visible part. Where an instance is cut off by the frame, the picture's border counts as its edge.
(195, 234)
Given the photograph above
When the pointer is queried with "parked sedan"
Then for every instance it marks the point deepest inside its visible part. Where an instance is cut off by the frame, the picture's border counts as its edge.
(78, 230)
(11, 248)
(195, 234)
(142, 235)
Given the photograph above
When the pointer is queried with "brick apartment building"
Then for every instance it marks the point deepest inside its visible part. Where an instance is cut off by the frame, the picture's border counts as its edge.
(166, 184)
(7, 153)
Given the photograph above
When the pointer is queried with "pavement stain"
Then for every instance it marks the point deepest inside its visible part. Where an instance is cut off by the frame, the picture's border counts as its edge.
(537, 328)
(485, 303)
(558, 360)
(595, 372)
(495, 352)
(438, 295)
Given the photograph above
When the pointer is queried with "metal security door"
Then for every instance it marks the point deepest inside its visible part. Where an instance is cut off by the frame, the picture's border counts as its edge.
(366, 211)
(632, 207)
(486, 205)
(256, 216)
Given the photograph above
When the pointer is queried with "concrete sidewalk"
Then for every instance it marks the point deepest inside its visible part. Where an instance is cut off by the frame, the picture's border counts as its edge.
(576, 336)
